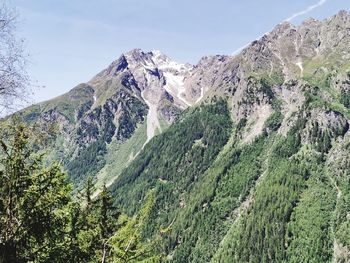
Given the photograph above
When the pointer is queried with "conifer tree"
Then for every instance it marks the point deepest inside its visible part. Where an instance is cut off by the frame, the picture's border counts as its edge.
(127, 243)
(32, 201)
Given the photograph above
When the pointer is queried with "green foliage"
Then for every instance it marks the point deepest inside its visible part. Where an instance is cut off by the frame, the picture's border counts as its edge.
(321, 80)
(212, 202)
(315, 100)
(342, 218)
(339, 170)
(174, 156)
(102, 234)
(291, 215)
(260, 234)
(173, 160)
(32, 201)
(96, 223)
(345, 98)
(266, 89)
(120, 154)
(269, 215)
(275, 79)
(203, 205)
(196, 193)
(88, 162)
(68, 104)
(309, 237)
(40, 222)
(259, 88)
(274, 121)
(127, 244)
(324, 95)
(241, 124)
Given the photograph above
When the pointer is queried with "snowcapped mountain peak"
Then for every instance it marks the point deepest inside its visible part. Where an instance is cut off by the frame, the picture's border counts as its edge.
(159, 57)
(154, 70)
(137, 58)
(155, 74)
(164, 63)
(154, 60)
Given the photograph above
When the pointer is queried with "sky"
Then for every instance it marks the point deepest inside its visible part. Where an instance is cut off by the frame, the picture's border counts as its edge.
(70, 41)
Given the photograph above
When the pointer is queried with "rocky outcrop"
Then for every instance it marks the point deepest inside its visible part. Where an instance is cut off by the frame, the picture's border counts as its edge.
(322, 127)
(287, 68)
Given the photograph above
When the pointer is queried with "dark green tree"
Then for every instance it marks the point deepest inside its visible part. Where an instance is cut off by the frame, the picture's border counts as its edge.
(32, 201)
(127, 244)
(107, 221)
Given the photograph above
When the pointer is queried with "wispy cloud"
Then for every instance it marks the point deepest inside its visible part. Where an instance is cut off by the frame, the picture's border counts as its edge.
(305, 11)
(301, 13)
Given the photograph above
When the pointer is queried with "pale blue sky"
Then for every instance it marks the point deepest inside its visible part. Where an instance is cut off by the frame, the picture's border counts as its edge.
(69, 41)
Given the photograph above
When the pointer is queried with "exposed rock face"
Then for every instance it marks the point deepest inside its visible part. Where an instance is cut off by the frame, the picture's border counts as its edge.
(324, 125)
(278, 73)
(138, 88)
(274, 69)
(154, 79)
(292, 88)
(148, 86)
(294, 76)
(203, 77)
(118, 118)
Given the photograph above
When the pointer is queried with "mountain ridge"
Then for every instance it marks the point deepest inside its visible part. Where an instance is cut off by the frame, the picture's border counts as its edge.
(248, 155)
(164, 88)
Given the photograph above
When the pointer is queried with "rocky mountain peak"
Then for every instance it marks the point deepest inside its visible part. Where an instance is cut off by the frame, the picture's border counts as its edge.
(343, 14)
(159, 57)
(281, 29)
(113, 69)
(150, 74)
(138, 57)
(288, 97)
(155, 59)
(310, 22)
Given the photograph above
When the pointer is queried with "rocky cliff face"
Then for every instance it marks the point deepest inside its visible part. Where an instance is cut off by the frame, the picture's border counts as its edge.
(280, 70)
(277, 73)
(138, 89)
(280, 182)
(154, 79)
(288, 100)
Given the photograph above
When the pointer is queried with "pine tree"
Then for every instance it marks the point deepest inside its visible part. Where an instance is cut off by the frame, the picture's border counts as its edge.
(127, 243)
(87, 236)
(40, 222)
(88, 191)
(107, 221)
(32, 201)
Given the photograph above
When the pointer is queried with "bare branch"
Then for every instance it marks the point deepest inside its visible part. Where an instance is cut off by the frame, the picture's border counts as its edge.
(14, 80)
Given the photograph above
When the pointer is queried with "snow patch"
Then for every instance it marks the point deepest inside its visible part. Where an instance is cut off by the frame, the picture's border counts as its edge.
(201, 96)
(175, 86)
(300, 65)
(173, 65)
(164, 63)
(94, 104)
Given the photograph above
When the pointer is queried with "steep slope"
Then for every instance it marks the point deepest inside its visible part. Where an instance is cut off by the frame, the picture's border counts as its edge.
(114, 115)
(252, 159)
(275, 188)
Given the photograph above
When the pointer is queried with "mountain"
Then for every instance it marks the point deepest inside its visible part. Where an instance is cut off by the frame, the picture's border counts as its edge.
(251, 162)
(115, 114)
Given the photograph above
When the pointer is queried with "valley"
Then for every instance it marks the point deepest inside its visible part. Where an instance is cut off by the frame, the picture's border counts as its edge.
(242, 158)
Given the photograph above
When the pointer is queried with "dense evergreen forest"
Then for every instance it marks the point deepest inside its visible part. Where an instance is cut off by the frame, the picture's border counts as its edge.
(239, 159)
(269, 201)
(194, 194)
(41, 220)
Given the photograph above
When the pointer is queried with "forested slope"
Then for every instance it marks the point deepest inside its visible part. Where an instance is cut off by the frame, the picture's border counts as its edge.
(256, 167)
